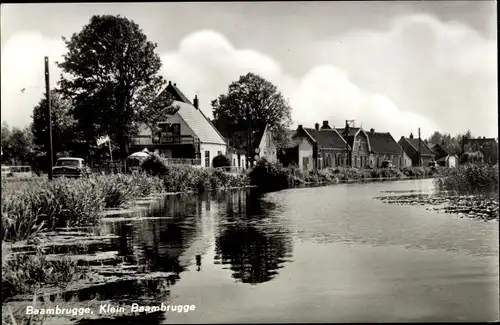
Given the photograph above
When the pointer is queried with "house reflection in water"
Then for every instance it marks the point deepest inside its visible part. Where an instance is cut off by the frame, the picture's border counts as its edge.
(250, 240)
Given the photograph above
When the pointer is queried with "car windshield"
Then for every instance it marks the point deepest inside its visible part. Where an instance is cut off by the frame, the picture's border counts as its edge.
(68, 162)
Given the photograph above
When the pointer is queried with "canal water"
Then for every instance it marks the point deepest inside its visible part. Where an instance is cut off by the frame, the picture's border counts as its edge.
(324, 254)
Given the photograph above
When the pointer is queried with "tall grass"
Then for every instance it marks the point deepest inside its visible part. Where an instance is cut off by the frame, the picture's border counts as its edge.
(472, 178)
(31, 207)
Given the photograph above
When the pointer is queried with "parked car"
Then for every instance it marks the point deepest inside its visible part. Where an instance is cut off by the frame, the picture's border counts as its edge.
(70, 167)
(387, 164)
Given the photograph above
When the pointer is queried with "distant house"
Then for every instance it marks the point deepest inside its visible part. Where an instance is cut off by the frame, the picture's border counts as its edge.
(487, 146)
(443, 156)
(318, 149)
(187, 136)
(416, 148)
(358, 141)
(267, 147)
(263, 145)
(384, 147)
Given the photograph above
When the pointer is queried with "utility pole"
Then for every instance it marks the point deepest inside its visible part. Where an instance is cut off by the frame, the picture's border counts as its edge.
(47, 89)
(419, 150)
(249, 136)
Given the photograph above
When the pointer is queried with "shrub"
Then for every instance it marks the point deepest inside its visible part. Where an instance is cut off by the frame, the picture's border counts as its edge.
(154, 165)
(269, 176)
(221, 161)
(474, 178)
(472, 157)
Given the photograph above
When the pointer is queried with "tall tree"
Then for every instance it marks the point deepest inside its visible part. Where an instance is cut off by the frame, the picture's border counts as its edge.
(253, 101)
(111, 74)
(63, 124)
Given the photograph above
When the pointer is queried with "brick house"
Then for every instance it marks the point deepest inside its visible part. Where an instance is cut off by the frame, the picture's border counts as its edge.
(384, 147)
(186, 136)
(411, 147)
(358, 141)
(487, 146)
(320, 148)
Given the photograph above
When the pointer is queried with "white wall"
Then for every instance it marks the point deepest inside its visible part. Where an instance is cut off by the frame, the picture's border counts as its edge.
(213, 150)
(451, 161)
(305, 150)
(267, 148)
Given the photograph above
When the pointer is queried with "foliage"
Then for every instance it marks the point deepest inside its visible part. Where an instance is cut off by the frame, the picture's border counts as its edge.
(470, 178)
(154, 165)
(220, 161)
(17, 145)
(269, 176)
(453, 144)
(22, 273)
(63, 124)
(252, 99)
(111, 75)
(472, 157)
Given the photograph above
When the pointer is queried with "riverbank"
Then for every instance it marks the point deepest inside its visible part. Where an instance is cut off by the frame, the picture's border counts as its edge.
(272, 176)
(29, 208)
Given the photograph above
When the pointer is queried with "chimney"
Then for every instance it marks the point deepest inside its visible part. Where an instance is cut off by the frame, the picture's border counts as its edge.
(195, 101)
(175, 85)
(316, 126)
(325, 125)
(300, 127)
(411, 135)
(170, 83)
(372, 130)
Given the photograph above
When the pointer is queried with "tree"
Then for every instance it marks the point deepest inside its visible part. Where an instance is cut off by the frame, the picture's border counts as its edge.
(253, 101)
(5, 142)
(17, 145)
(63, 124)
(111, 75)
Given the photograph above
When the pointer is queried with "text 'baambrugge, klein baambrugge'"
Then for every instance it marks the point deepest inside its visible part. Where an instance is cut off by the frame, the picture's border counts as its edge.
(109, 309)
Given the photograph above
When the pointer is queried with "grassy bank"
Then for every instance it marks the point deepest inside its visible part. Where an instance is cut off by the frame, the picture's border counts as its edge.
(29, 208)
(271, 176)
(472, 178)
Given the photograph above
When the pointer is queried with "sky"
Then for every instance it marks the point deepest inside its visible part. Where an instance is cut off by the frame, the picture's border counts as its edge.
(392, 66)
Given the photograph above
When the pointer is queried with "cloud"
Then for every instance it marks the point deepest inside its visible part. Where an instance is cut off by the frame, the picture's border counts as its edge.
(421, 72)
(23, 67)
(445, 72)
(206, 63)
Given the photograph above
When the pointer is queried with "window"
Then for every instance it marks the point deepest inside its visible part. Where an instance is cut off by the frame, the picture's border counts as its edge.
(207, 158)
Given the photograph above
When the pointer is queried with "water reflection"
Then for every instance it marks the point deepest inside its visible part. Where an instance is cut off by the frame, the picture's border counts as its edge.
(251, 239)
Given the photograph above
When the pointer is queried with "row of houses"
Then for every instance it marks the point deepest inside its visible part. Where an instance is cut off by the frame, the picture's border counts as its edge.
(189, 137)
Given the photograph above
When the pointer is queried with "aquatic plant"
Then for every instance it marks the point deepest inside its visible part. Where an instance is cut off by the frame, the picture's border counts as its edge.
(474, 178)
(23, 273)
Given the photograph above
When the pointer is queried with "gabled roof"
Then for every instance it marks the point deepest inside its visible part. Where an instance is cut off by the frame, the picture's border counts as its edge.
(424, 148)
(384, 143)
(327, 139)
(440, 150)
(351, 132)
(176, 93)
(200, 125)
(194, 118)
